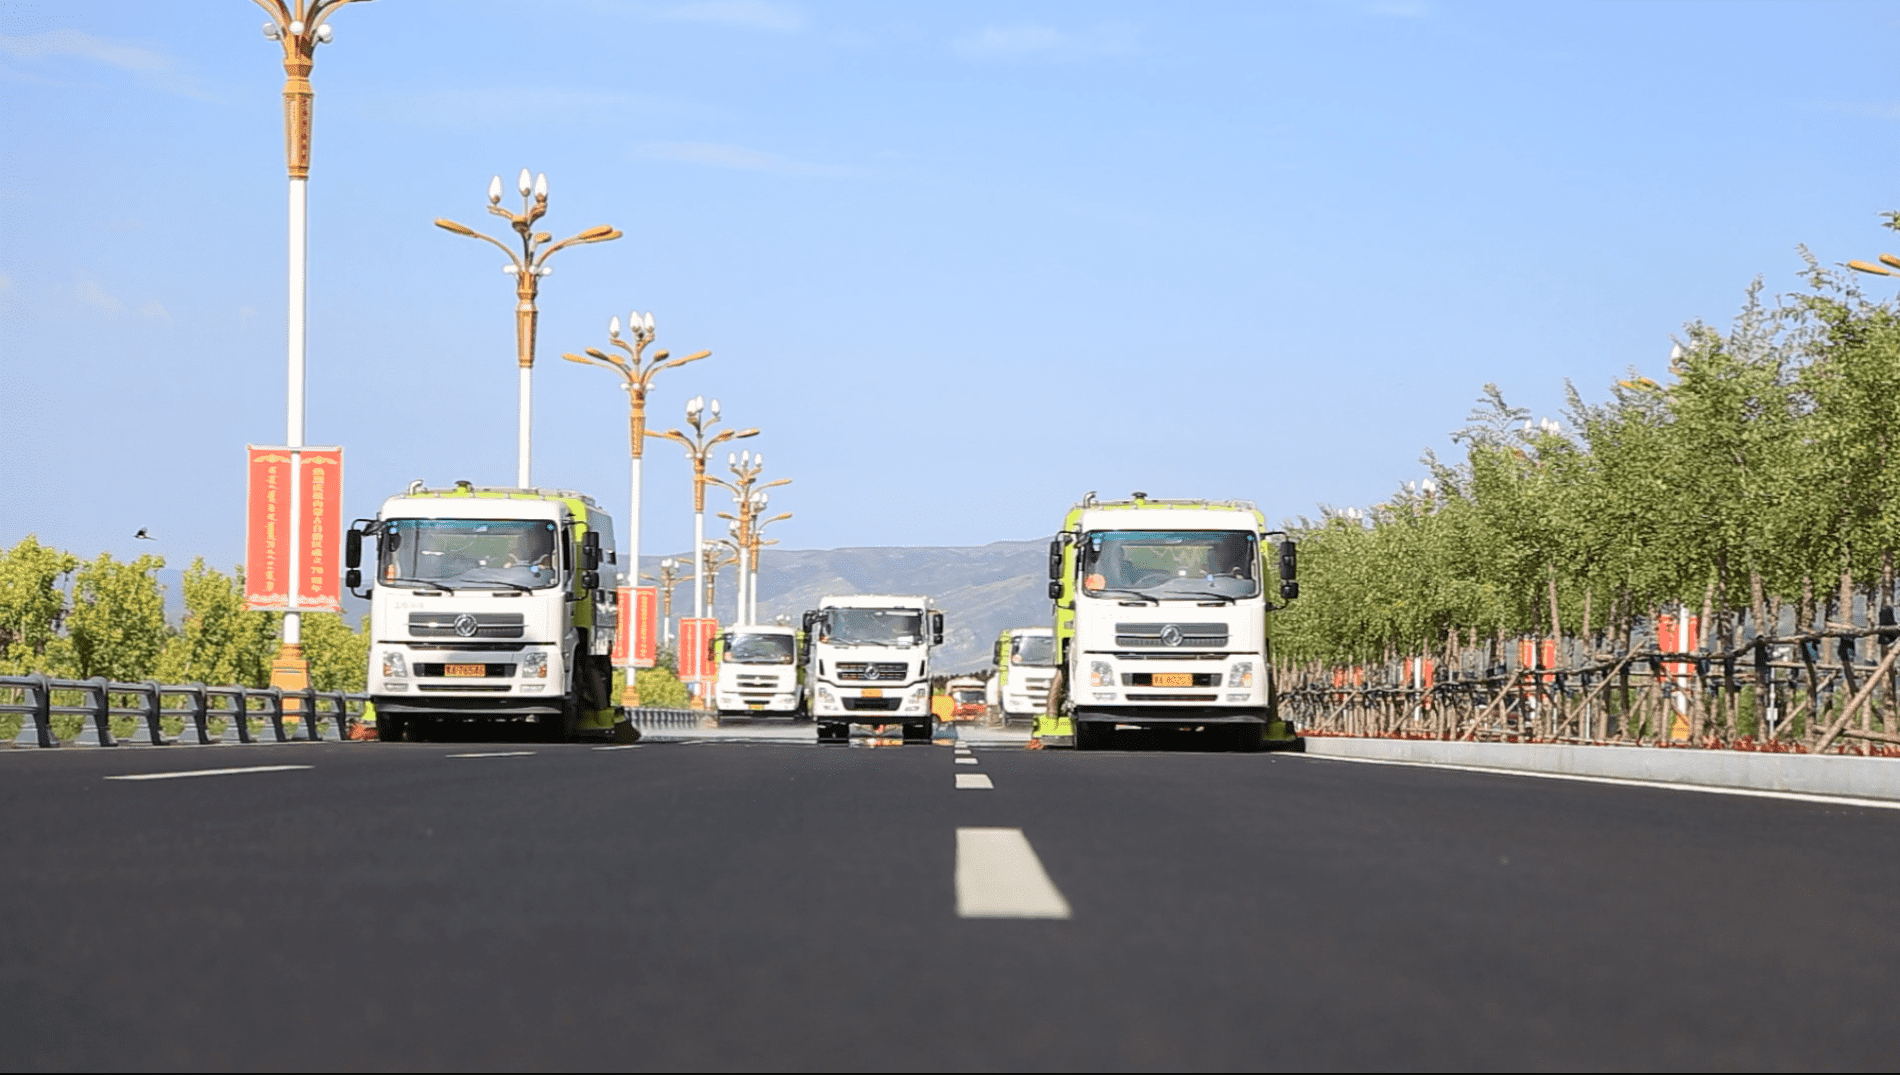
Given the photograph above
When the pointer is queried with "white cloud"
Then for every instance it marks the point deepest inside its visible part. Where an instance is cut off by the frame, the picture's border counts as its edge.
(156, 311)
(748, 14)
(91, 294)
(737, 157)
(152, 67)
(1025, 40)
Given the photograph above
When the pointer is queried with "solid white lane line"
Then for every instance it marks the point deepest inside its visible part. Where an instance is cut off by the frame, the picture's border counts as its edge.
(211, 772)
(495, 754)
(999, 876)
(622, 746)
(1753, 793)
(973, 780)
(966, 761)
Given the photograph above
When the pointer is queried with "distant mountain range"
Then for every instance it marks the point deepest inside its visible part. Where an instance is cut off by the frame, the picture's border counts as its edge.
(981, 589)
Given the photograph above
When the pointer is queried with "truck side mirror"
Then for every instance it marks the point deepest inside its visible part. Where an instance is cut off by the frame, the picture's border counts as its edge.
(1289, 570)
(810, 619)
(1055, 559)
(353, 549)
(352, 579)
(590, 551)
(936, 628)
(1055, 591)
(590, 580)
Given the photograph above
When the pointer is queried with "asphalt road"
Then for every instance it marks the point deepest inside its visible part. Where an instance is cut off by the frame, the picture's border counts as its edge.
(725, 903)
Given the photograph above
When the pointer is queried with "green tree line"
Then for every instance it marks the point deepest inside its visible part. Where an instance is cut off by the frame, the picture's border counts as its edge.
(1757, 485)
(75, 619)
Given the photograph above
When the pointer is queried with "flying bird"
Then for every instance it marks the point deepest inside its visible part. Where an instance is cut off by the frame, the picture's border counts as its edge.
(143, 536)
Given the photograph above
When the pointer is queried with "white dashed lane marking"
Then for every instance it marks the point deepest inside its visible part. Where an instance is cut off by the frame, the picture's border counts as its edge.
(966, 761)
(495, 754)
(999, 876)
(211, 772)
(973, 780)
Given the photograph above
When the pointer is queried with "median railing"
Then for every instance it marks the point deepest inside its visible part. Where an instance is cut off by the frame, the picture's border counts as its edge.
(1835, 689)
(318, 715)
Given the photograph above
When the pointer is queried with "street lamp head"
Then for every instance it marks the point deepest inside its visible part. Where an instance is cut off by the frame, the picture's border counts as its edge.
(511, 269)
(732, 459)
(325, 34)
(649, 321)
(613, 328)
(273, 31)
(715, 410)
(494, 191)
(541, 187)
(523, 183)
(296, 27)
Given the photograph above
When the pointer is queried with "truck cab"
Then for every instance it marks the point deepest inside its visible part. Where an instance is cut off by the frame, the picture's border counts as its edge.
(1025, 661)
(1160, 620)
(759, 672)
(488, 603)
(868, 662)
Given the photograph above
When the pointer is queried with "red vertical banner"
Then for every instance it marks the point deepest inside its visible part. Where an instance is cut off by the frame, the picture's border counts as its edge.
(696, 639)
(637, 644)
(320, 477)
(646, 626)
(315, 485)
(623, 626)
(267, 528)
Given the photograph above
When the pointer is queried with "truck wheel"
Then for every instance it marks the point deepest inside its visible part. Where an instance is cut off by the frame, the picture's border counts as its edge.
(833, 733)
(389, 729)
(917, 733)
(1090, 735)
(1248, 738)
(560, 727)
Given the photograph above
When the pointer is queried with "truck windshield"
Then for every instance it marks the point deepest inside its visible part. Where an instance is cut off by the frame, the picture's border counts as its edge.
(1164, 564)
(760, 649)
(1038, 650)
(872, 626)
(476, 553)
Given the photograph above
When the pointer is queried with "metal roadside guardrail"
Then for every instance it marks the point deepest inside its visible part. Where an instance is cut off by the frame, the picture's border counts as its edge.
(654, 717)
(321, 715)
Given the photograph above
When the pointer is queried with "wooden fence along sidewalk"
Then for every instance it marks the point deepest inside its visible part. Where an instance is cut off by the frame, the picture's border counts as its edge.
(1834, 689)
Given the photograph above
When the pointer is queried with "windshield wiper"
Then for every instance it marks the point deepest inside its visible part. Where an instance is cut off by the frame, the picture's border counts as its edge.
(1229, 598)
(421, 585)
(1148, 597)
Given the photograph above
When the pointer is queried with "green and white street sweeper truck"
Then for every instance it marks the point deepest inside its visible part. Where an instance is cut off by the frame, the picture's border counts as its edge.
(489, 603)
(1025, 659)
(1160, 621)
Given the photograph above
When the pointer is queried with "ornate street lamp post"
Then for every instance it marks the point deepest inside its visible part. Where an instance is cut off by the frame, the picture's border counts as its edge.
(636, 376)
(527, 267)
(299, 26)
(745, 469)
(701, 417)
(668, 580)
(759, 541)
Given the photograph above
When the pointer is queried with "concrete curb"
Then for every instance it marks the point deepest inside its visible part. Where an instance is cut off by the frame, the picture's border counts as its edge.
(1808, 774)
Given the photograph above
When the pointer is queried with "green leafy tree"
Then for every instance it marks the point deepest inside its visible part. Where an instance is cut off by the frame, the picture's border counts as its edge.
(32, 604)
(338, 656)
(221, 643)
(116, 626)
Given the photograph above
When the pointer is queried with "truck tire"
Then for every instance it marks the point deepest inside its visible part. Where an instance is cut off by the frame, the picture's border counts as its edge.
(917, 733)
(833, 733)
(389, 729)
(1091, 735)
(563, 726)
(1247, 738)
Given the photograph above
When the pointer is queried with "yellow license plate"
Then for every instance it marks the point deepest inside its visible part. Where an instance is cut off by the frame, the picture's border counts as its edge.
(873, 692)
(755, 705)
(464, 669)
(1174, 679)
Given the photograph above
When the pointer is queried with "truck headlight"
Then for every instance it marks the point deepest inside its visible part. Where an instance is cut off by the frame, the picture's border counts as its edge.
(824, 695)
(534, 664)
(1240, 675)
(1101, 674)
(394, 665)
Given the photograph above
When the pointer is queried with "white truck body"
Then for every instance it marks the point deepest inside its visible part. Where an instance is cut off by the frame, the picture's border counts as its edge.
(482, 608)
(759, 672)
(868, 660)
(1025, 661)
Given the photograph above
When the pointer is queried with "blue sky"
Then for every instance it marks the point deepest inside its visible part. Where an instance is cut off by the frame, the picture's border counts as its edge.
(961, 263)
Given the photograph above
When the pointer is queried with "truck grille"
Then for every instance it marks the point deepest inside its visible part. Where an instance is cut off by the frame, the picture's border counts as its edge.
(872, 671)
(758, 683)
(871, 705)
(1170, 635)
(465, 624)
